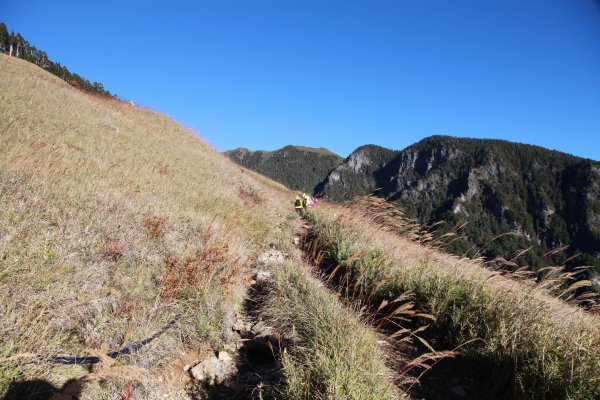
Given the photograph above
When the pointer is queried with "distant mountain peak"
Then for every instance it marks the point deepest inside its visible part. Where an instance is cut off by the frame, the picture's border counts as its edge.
(297, 167)
(317, 150)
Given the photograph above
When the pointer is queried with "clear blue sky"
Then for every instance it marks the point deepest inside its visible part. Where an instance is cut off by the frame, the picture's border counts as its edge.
(339, 74)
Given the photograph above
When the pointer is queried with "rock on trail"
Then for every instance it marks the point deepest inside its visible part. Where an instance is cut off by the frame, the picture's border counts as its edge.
(246, 366)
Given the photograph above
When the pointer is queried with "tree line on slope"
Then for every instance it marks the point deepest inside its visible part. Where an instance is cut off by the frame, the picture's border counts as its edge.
(15, 45)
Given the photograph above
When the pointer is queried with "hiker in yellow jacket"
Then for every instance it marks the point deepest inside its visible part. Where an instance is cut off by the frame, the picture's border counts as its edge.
(299, 205)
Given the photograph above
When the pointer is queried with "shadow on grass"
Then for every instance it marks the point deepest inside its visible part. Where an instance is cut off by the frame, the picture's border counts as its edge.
(466, 377)
(38, 389)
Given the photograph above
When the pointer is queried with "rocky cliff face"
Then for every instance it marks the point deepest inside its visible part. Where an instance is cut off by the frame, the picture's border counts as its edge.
(357, 174)
(544, 198)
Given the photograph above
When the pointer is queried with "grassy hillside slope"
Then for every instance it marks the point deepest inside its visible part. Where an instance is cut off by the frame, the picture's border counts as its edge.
(114, 220)
(117, 224)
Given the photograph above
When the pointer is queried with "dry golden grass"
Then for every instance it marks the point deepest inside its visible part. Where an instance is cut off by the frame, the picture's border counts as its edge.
(332, 353)
(412, 248)
(113, 220)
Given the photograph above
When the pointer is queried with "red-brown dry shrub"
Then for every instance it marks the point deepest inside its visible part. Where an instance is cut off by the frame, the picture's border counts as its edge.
(128, 393)
(156, 226)
(249, 196)
(163, 169)
(194, 271)
(112, 250)
(125, 309)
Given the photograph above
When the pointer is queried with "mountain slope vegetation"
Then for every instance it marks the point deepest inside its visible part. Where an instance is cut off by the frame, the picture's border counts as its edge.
(297, 167)
(355, 176)
(119, 225)
(114, 221)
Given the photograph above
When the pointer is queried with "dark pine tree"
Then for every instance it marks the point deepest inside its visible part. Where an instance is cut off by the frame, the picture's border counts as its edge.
(3, 37)
(12, 39)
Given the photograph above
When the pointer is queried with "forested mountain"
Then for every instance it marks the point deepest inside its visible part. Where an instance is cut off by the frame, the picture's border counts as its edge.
(548, 199)
(297, 167)
(15, 45)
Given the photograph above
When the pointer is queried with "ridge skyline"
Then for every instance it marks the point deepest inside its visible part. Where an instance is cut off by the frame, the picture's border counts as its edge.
(395, 149)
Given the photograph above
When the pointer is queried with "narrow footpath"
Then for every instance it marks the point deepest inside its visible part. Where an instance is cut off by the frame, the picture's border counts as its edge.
(246, 368)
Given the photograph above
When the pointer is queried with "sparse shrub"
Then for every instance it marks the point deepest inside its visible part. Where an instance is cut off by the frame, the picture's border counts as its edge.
(155, 225)
(128, 393)
(125, 309)
(250, 196)
(163, 169)
(112, 250)
(194, 271)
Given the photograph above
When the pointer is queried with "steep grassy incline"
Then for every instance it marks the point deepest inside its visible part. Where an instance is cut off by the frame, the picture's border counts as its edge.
(115, 220)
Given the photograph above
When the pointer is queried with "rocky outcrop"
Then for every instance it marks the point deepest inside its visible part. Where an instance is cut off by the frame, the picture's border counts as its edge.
(357, 174)
(215, 370)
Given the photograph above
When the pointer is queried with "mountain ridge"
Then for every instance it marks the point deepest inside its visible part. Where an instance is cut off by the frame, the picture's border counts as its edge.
(548, 198)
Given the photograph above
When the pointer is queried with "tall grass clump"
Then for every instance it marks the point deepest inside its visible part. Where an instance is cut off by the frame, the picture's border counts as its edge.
(330, 353)
(544, 347)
